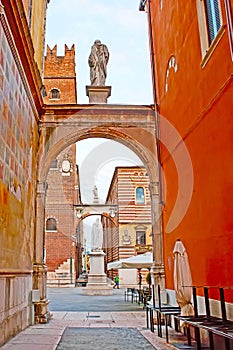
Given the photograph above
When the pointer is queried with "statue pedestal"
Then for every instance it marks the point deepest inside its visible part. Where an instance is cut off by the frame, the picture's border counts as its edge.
(98, 94)
(97, 279)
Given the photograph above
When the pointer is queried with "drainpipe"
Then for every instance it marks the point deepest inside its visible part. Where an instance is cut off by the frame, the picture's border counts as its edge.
(157, 270)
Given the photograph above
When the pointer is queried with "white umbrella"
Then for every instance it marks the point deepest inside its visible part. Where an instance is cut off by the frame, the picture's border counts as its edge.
(182, 279)
(141, 261)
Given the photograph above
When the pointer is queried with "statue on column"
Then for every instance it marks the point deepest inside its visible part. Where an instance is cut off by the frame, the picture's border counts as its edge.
(97, 61)
(97, 236)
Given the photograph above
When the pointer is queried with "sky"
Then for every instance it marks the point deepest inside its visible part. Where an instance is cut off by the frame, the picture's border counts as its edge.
(123, 28)
(119, 25)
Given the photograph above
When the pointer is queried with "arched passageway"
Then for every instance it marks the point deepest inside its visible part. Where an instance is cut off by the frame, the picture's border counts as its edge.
(61, 126)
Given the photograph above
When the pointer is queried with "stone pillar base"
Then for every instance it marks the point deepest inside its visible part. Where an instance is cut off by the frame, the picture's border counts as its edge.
(97, 279)
(42, 314)
(98, 289)
(158, 277)
(41, 310)
(98, 94)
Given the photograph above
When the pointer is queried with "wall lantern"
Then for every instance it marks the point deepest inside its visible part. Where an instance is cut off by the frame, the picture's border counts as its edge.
(112, 212)
(79, 213)
(142, 5)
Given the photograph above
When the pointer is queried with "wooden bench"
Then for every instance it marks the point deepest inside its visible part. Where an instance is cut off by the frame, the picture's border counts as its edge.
(219, 326)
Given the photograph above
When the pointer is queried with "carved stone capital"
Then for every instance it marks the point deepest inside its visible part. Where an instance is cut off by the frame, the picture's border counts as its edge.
(42, 187)
(154, 188)
(1, 8)
(158, 275)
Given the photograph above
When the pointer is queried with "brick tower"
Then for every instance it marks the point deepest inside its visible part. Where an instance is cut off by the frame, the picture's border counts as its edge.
(60, 76)
(63, 237)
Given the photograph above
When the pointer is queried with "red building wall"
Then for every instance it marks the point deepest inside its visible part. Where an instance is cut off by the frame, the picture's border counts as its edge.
(199, 104)
(61, 195)
(62, 192)
(58, 249)
(59, 73)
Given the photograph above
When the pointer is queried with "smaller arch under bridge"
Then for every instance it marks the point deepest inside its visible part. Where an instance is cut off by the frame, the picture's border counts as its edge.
(62, 126)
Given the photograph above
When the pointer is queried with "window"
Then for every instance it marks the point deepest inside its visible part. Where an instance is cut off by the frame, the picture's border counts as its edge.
(213, 18)
(51, 224)
(140, 237)
(210, 26)
(228, 8)
(54, 94)
(53, 164)
(140, 196)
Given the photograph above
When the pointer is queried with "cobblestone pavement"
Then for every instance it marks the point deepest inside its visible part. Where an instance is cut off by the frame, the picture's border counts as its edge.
(129, 324)
(111, 338)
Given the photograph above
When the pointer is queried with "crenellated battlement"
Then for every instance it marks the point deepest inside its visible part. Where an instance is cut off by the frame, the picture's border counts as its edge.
(59, 74)
(60, 65)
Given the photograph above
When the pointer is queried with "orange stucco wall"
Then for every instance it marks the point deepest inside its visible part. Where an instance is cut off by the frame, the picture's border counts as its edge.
(199, 104)
(18, 157)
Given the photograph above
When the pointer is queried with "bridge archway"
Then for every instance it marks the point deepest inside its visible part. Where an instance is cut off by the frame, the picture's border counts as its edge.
(62, 126)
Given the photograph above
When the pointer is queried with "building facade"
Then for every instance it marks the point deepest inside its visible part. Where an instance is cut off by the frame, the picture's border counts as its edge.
(60, 76)
(63, 234)
(34, 132)
(193, 87)
(21, 100)
(130, 232)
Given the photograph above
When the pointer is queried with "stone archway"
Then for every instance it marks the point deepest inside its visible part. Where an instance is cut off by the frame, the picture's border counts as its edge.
(61, 126)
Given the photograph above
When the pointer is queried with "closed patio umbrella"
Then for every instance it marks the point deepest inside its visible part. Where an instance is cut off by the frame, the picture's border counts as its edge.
(182, 279)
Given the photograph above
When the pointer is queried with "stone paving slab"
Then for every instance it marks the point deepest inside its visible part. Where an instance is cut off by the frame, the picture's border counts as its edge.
(29, 347)
(103, 338)
(100, 313)
(46, 339)
(39, 334)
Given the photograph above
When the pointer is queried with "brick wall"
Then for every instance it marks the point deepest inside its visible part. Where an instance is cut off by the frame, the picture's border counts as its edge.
(58, 249)
(59, 73)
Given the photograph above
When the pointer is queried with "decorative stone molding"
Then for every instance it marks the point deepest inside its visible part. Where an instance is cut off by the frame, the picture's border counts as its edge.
(154, 188)
(1, 8)
(172, 64)
(42, 187)
(98, 94)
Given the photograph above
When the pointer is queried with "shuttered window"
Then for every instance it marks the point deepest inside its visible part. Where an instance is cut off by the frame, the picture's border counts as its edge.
(213, 17)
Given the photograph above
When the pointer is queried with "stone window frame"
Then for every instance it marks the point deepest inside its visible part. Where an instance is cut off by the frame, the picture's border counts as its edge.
(207, 47)
(53, 90)
(54, 227)
(228, 8)
(136, 198)
(139, 230)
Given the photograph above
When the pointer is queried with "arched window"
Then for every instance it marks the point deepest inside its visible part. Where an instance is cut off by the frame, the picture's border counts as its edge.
(140, 195)
(54, 94)
(51, 224)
